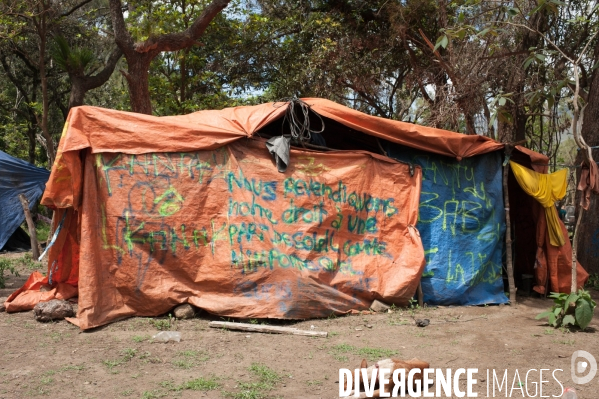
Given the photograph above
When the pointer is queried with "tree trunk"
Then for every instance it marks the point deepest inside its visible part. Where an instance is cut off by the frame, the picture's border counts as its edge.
(42, 31)
(588, 234)
(77, 92)
(140, 55)
(31, 138)
(137, 76)
(81, 83)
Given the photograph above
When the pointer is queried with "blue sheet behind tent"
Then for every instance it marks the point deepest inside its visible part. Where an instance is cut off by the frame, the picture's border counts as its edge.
(462, 225)
(17, 177)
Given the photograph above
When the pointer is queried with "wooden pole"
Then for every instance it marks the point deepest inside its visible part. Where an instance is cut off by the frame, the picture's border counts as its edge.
(35, 247)
(420, 295)
(508, 227)
(574, 285)
(266, 329)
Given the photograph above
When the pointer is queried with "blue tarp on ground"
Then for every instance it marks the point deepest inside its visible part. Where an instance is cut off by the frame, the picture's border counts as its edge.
(462, 225)
(17, 177)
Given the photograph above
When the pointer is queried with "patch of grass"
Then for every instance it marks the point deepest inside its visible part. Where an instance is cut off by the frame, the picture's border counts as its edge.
(267, 379)
(127, 355)
(184, 364)
(170, 385)
(111, 363)
(127, 392)
(141, 338)
(153, 394)
(56, 336)
(6, 265)
(188, 353)
(369, 353)
(198, 384)
(47, 380)
(564, 341)
(343, 348)
(161, 324)
(549, 331)
(375, 353)
(27, 261)
(201, 384)
(189, 358)
(314, 383)
(42, 231)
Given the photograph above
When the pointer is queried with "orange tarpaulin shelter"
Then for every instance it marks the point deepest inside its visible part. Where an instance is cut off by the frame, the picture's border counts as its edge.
(156, 211)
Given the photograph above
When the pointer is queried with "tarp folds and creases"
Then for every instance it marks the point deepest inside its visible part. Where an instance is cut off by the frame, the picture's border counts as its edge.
(546, 189)
(17, 177)
(589, 182)
(462, 226)
(225, 231)
(553, 264)
(105, 130)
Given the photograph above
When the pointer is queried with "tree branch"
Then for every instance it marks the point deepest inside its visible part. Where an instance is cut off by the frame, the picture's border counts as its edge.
(180, 40)
(75, 8)
(122, 37)
(92, 82)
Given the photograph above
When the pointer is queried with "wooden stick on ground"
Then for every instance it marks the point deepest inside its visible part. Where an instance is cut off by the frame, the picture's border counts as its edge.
(266, 329)
(35, 246)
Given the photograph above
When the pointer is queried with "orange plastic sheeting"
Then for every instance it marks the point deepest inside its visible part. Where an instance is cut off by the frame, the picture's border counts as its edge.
(554, 263)
(105, 130)
(223, 230)
(589, 182)
(424, 138)
(26, 297)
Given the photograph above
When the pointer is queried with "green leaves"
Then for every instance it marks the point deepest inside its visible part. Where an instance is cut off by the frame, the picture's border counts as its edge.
(569, 320)
(70, 60)
(574, 309)
(442, 41)
(584, 314)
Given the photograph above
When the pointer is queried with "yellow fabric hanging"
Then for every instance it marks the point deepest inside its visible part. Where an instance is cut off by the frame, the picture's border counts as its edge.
(545, 188)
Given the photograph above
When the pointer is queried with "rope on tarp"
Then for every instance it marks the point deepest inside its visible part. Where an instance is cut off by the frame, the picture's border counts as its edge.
(53, 237)
(299, 125)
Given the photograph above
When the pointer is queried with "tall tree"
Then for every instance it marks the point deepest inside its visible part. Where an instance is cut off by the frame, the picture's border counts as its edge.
(588, 243)
(76, 63)
(139, 55)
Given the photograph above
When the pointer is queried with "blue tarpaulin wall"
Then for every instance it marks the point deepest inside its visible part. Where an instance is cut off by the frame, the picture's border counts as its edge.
(462, 224)
(17, 177)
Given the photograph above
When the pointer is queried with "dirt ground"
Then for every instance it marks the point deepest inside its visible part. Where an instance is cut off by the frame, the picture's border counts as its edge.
(120, 360)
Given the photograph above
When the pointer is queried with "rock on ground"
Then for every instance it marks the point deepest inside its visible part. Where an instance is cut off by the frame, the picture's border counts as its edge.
(379, 306)
(53, 310)
(184, 311)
